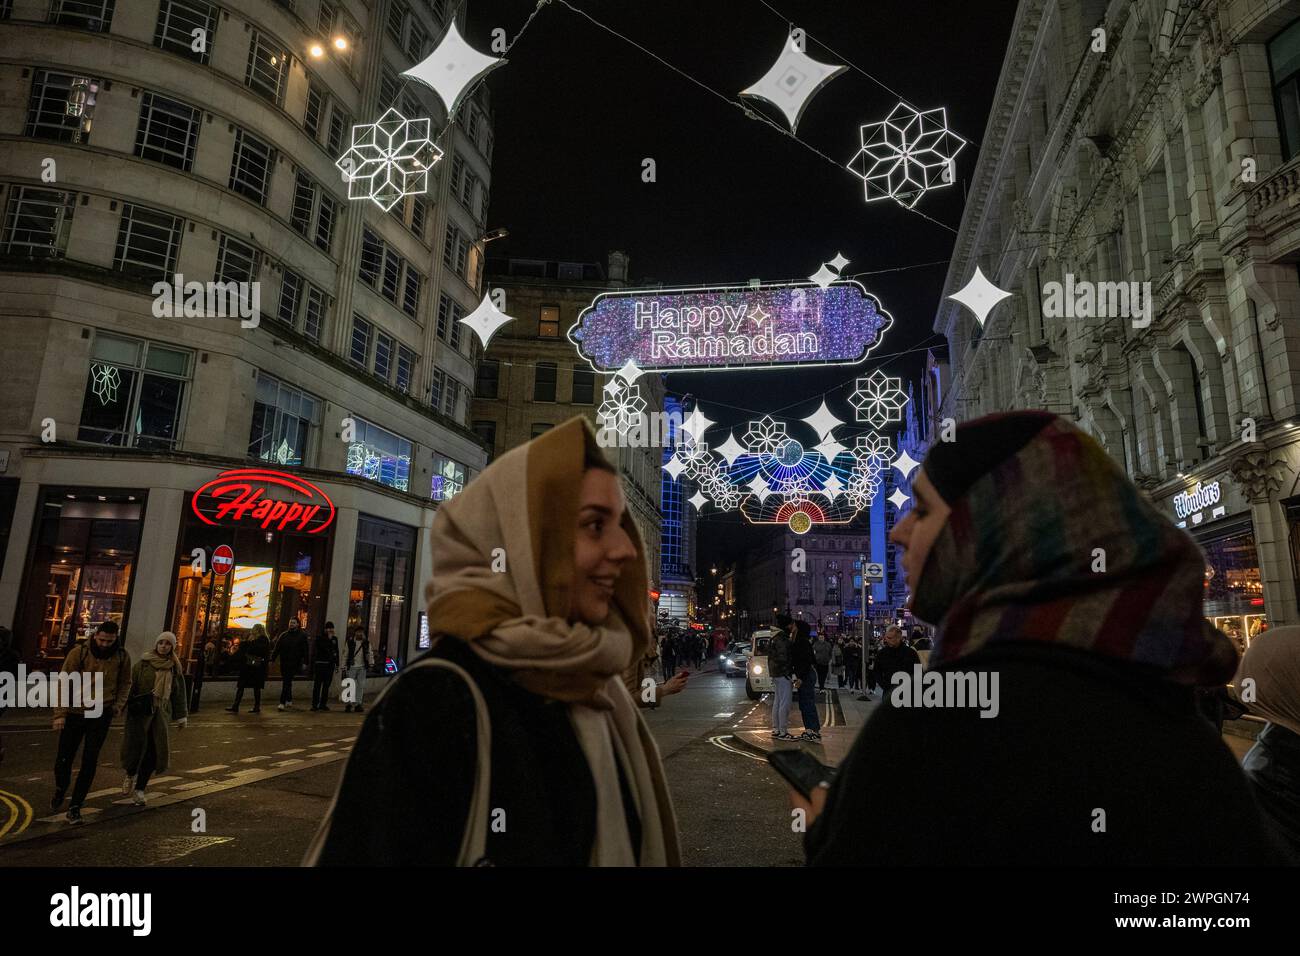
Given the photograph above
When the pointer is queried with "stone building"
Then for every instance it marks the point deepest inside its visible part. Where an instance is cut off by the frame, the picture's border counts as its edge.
(531, 378)
(822, 587)
(150, 144)
(1151, 146)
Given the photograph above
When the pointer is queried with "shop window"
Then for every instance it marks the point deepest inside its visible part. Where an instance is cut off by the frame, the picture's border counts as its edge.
(1234, 589)
(379, 455)
(448, 478)
(147, 243)
(168, 131)
(381, 585)
(1284, 65)
(285, 420)
(80, 568)
(487, 379)
(37, 222)
(135, 392)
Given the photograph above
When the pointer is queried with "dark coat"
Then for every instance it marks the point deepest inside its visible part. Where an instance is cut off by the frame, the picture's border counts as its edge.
(891, 660)
(254, 654)
(778, 654)
(137, 730)
(1074, 733)
(325, 650)
(801, 659)
(405, 792)
(291, 650)
(1273, 768)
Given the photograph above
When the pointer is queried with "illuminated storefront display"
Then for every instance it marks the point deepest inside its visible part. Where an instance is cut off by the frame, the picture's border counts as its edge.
(250, 597)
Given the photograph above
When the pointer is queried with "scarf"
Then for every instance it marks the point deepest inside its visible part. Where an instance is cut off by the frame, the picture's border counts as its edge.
(503, 581)
(164, 668)
(1273, 662)
(1054, 544)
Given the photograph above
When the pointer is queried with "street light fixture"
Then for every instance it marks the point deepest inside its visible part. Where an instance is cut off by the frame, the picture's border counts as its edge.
(340, 43)
(316, 50)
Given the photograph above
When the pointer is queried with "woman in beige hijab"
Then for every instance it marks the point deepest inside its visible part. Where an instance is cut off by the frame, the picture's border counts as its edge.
(1268, 682)
(515, 740)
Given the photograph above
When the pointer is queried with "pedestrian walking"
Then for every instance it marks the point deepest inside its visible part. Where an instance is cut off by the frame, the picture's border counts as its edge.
(804, 669)
(778, 666)
(668, 654)
(324, 662)
(522, 695)
(893, 658)
(101, 654)
(1271, 665)
(822, 653)
(1041, 664)
(157, 697)
(254, 653)
(8, 665)
(201, 666)
(853, 663)
(356, 664)
(291, 650)
(837, 662)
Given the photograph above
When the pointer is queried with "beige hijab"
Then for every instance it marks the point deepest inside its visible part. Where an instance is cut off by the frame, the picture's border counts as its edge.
(1273, 662)
(503, 581)
(165, 667)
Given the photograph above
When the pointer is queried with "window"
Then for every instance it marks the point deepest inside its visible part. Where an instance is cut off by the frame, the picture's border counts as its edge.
(304, 198)
(437, 385)
(396, 20)
(372, 257)
(284, 422)
(325, 17)
(134, 393)
(455, 250)
(379, 455)
(457, 175)
(266, 68)
(167, 132)
(147, 243)
(448, 478)
(250, 167)
(548, 324)
(584, 386)
(456, 327)
(406, 360)
(387, 89)
(487, 380)
(236, 261)
(541, 428)
(450, 397)
(392, 276)
(37, 222)
(1284, 63)
(411, 292)
(177, 21)
(313, 319)
(419, 209)
(359, 351)
(805, 589)
(54, 111)
(445, 316)
(315, 112)
(340, 123)
(290, 298)
(487, 433)
(416, 40)
(544, 382)
(383, 355)
(325, 221)
(302, 306)
(96, 15)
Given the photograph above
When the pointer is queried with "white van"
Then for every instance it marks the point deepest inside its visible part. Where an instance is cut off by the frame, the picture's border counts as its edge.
(758, 679)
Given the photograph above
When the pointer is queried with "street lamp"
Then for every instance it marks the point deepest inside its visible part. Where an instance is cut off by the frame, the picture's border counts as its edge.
(482, 242)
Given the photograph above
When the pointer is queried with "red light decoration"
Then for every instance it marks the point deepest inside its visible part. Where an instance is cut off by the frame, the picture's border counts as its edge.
(238, 497)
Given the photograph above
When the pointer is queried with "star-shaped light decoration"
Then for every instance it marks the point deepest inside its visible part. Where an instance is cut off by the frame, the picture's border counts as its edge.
(898, 499)
(980, 296)
(452, 67)
(906, 155)
(792, 81)
(838, 263)
(623, 409)
(630, 371)
(905, 464)
(697, 423)
(823, 420)
(389, 159)
(758, 316)
(730, 450)
(832, 487)
(759, 486)
(698, 500)
(485, 320)
(878, 399)
(107, 382)
(830, 449)
(764, 436)
(674, 467)
(823, 277)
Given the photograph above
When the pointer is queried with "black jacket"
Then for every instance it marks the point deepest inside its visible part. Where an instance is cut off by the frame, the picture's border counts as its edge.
(406, 790)
(1273, 768)
(801, 659)
(325, 650)
(778, 654)
(1074, 734)
(291, 649)
(891, 660)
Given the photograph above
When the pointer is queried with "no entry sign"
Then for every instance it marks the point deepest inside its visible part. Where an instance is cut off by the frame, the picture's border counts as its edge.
(223, 559)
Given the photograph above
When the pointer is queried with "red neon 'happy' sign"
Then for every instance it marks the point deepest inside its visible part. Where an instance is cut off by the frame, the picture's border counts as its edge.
(238, 497)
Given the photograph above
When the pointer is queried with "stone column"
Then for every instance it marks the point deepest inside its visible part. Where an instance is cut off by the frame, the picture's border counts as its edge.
(1260, 475)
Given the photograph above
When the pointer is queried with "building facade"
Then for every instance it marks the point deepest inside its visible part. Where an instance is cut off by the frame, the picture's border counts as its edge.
(1136, 192)
(677, 567)
(151, 150)
(531, 378)
(821, 586)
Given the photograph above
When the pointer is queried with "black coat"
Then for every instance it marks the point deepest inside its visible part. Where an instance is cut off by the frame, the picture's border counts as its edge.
(406, 790)
(325, 650)
(253, 662)
(801, 659)
(891, 660)
(291, 650)
(1273, 768)
(1074, 733)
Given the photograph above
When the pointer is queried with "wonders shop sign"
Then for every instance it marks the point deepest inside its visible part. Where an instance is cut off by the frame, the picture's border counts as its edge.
(1200, 497)
(243, 497)
(731, 327)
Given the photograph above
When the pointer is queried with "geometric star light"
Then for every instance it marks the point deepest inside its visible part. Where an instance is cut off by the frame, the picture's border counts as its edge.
(486, 319)
(451, 67)
(792, 80)
(878, 399)
(389, 159)
(906, 155)
(107, 381)
(623, 408)
(980, 296)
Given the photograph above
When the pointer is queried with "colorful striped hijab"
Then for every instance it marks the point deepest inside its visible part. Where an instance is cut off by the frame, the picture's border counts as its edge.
(1016, 558)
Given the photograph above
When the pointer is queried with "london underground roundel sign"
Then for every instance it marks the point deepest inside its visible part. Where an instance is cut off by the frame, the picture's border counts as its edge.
(264, 499)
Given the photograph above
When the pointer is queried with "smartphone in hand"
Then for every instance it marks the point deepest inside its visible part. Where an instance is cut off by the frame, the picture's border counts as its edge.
(801, 770)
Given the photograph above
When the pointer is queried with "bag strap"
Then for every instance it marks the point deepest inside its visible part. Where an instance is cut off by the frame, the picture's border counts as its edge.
(473, 844)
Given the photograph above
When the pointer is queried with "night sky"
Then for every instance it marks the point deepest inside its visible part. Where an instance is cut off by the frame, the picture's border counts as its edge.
(577, 109)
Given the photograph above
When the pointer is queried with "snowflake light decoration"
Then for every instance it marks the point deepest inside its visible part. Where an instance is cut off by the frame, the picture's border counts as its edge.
(623, 408)
(906, 155)
(878, 399)
(765, 436)
(389, 160)
(107, 382)
(873, 448)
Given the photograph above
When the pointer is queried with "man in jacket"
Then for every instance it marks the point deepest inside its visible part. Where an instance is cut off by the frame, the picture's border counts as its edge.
(893, 657)
(102, 654)
(356, 664)
(778, 665)
(822, 653)
(291, 650)
(324, 661)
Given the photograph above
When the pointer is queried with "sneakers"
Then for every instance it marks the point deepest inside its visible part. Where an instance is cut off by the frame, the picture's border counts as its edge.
(57, 800)
(138, 798)
(280, 707)
(809, 735)
(785, 736)
(128, 785)
(255, 710)
(73, 815)
(233, 710)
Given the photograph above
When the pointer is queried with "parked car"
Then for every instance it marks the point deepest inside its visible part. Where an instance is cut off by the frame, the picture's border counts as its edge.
(757, 678)
(733, 662)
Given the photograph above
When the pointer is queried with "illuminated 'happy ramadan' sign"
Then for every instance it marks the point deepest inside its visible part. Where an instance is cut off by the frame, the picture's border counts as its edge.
(731, 327)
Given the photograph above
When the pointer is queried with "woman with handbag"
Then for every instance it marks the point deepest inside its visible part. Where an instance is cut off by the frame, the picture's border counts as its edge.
(514, 741)
(254, 653)
(156, 698)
